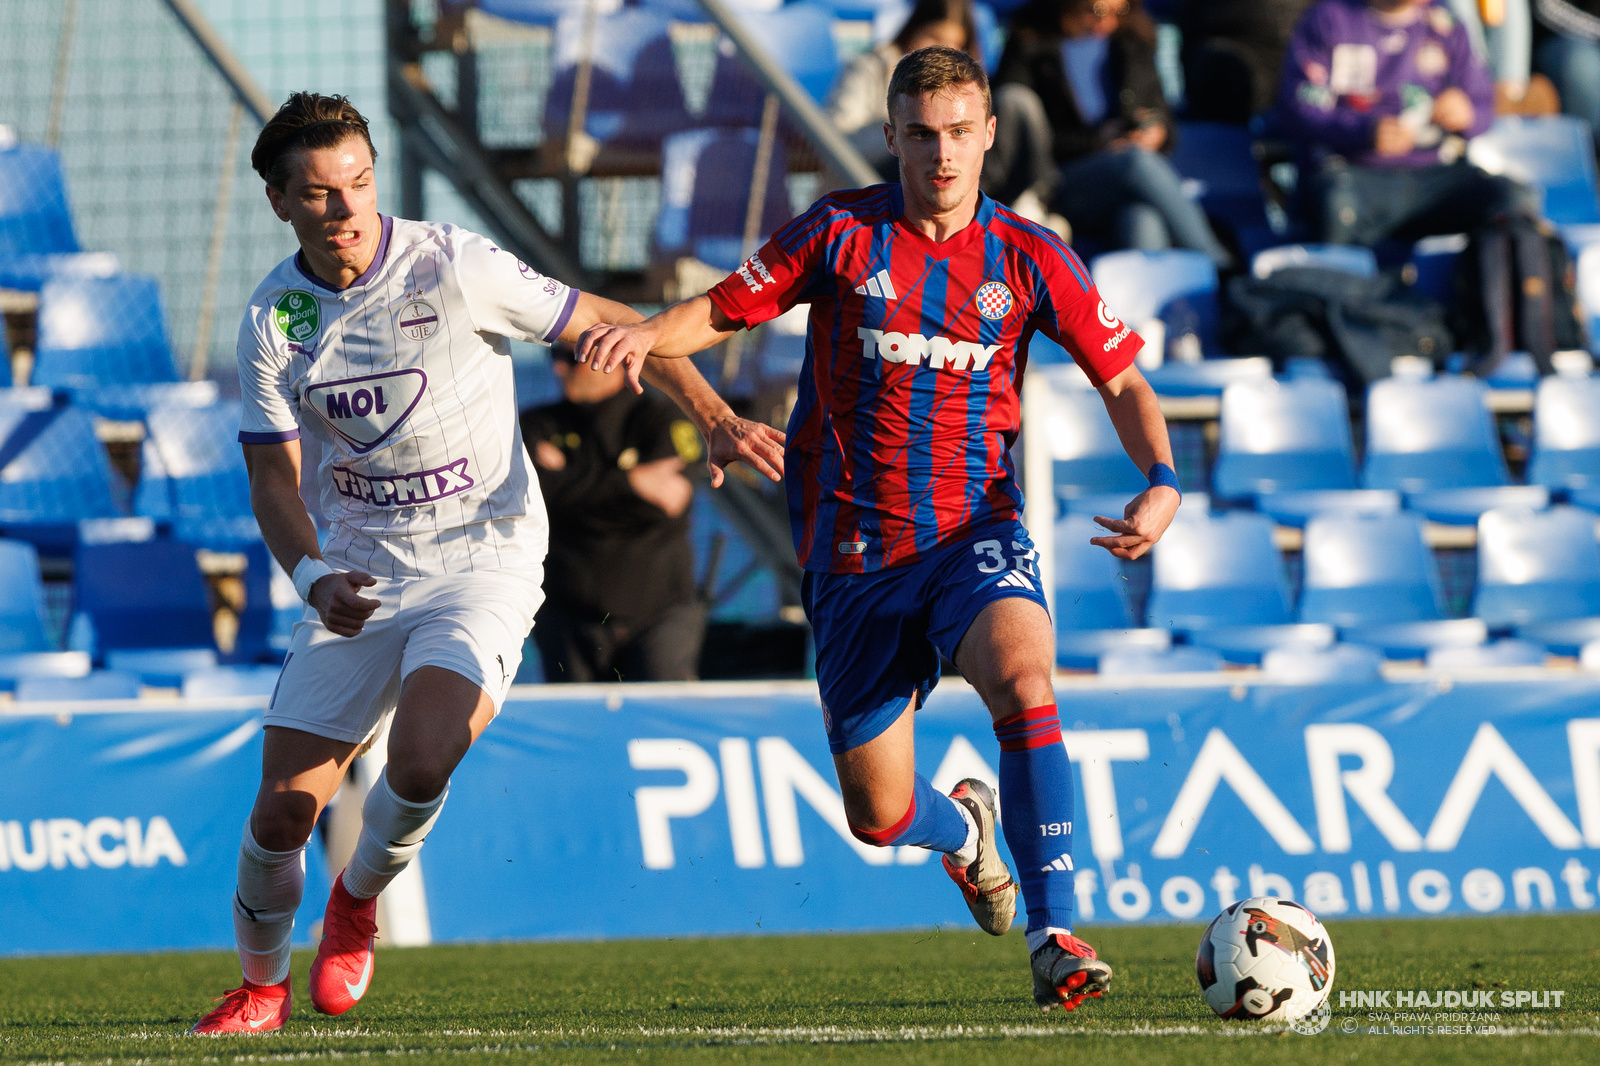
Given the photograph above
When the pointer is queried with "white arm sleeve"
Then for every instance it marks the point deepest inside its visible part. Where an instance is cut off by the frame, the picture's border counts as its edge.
(268, 407)
(506, 296)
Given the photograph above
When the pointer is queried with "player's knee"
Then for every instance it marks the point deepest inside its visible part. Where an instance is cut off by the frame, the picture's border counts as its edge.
(878, 822)
(1017, 690)
(283, 821)
(420, 777)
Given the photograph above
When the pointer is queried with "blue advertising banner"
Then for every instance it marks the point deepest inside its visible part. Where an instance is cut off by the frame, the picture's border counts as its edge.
(658, 812)
(119, 831)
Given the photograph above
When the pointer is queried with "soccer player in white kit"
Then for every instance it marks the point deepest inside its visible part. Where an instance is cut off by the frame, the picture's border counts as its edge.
(387, 341)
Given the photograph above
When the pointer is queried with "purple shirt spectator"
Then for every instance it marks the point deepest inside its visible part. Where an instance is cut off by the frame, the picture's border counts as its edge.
(1349, 66)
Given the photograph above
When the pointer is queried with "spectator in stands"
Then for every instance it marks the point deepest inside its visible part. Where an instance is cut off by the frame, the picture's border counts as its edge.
(1382, 96)
(859, 103)
(1078, 85)
(1567, 51)
(1232, 53)
(620, 601)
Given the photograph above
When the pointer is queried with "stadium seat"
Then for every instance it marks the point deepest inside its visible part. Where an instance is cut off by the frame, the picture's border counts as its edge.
(1435, 442)
(1297, 664)
(741, 589)
(1283, 436)
(231, 681)
(98, 685)
(1566, 433)
(1495, 655)
(162, 667)
(1093, 617)
(1346, 258)
(130, 403)
(1539, 575)
(193, 475)
(1208, 377)
(1373, 577)
(705, 188)
(545, 12)
(22, 614)
(1220, 157)
(53, 473)
(1178, 287)
(799, 36)
(19, 665)
(635, 97)
(101, 331)
(1554, 153)
(1087, 456)
(1219, 581)
(1434, 260)
(143, 595)
(1181, 659)
(37, 240)
(1589, 293)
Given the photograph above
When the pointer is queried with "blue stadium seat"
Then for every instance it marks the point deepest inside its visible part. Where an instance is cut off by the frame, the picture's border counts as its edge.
(193, 475)
(1179, 287)
(1373, 577)
(1495, 655)
(53, 474)
(1283, 436)
(231, 681)
(99, 685)
(1093, 616)
(1347, 664)
(635, 97)
(21, 600)
(1219, 580)
(1434, 259)
(543, 12)
(744, 590)
(1539, 574)
(1180, 659)
(1435, 442)
(23, 664)
(1087, 456)
(130, 403)
(705, 186)
(143, 595)
(1589, 293)
(1345, 258)
(1208, 377)
(797, 35)
(36, 236)
(1554, 153)
(1221, 157)
(101, 331)
(162, 667)
(1566, 433)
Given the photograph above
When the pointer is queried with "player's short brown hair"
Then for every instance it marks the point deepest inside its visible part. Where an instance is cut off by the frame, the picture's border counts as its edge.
(306, 120)
(933, 70)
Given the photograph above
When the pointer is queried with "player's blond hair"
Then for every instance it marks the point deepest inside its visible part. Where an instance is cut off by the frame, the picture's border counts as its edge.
(934, 70)
(306, 120)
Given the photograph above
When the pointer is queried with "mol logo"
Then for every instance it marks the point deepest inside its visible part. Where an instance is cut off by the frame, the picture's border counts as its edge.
(942, 353)
(364, 411)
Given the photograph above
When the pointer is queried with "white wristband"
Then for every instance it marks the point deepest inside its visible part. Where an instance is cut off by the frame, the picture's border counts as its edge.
(306, 573)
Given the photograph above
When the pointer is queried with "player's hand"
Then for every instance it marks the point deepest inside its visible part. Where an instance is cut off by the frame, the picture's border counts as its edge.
(606, 347)
(1142, 523)
(339, 603)
(1393, 137)
(739, 439)
(1453, 111)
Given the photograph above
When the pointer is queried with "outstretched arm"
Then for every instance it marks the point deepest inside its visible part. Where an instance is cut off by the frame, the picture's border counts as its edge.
(592, 310)
(682, 329)
(1136, 414)
(729, 438)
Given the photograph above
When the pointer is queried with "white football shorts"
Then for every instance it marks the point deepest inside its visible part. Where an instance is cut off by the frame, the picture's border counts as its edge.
(473, 624)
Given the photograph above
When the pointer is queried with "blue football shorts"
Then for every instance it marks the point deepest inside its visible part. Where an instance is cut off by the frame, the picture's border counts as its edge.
(878, 636)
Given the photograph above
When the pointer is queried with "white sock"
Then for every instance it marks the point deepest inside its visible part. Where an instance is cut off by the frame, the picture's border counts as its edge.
(969, 850)
(392, 832)
(270, 886)
(1038, 937)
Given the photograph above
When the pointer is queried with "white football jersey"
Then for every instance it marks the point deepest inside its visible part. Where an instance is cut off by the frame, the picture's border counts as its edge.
(405, 377)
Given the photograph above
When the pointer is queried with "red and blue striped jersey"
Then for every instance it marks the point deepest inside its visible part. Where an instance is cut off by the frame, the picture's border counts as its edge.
(909, 398)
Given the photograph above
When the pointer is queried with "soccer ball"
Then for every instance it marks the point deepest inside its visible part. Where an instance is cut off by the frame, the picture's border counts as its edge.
(1265, 958)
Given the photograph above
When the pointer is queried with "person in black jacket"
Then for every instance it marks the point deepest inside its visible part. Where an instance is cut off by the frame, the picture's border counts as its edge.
(1232, 53)
(620, 601)
(1566, 49)
(1081, 74)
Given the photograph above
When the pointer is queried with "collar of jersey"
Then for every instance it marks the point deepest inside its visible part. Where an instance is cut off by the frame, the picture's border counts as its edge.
(386, 224)
(973, 231)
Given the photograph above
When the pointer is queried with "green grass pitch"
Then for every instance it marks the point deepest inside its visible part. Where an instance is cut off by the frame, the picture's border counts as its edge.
(950, 995)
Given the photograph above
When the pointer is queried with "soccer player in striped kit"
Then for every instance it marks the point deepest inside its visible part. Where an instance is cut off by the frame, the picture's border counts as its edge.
(902, 494)
(386, 340)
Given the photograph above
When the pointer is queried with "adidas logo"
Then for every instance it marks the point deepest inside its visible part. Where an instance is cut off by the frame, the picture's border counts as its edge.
(1062, 862)
(1015, 580)
(877, 285)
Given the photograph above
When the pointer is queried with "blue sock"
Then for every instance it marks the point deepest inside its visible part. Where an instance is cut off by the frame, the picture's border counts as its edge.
(933, 821)
(1036, 789)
